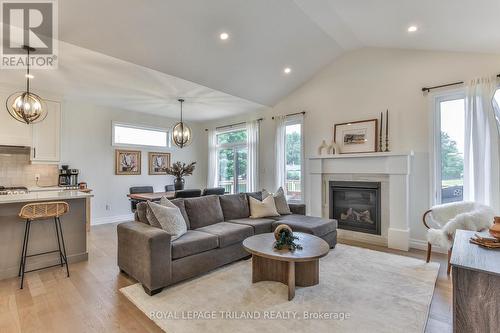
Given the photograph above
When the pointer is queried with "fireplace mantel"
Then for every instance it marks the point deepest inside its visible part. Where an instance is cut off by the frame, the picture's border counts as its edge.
(396, 166)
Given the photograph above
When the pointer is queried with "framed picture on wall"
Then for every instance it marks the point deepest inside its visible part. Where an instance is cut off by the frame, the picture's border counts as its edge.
(158, 163)
(357, 136)
(127, 162)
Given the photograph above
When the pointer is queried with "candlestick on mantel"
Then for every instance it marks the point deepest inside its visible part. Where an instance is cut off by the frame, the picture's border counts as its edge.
(387, 130)
(380, 148)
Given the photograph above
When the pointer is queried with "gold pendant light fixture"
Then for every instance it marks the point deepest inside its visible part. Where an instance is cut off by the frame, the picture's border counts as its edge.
(182, 134)
(24, 106)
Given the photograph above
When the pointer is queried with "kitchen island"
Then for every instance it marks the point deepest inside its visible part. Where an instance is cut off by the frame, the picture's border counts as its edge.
(43, 234)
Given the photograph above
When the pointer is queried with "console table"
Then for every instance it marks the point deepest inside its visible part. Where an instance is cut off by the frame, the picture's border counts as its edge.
(476, 286)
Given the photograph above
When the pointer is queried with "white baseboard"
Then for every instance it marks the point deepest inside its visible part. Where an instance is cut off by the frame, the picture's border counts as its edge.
(422, 245)
(112, 219)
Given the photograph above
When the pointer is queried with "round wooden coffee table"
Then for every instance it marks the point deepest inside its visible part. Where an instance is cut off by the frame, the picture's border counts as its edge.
(293, 268)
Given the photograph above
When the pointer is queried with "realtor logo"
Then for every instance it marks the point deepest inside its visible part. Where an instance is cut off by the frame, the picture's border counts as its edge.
(31, 23)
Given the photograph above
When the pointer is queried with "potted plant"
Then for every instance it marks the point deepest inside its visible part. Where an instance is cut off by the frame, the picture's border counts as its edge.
(179, 170)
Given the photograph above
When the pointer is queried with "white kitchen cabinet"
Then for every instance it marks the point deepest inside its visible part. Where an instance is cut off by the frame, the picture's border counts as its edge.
(46, 136)
(12, 132)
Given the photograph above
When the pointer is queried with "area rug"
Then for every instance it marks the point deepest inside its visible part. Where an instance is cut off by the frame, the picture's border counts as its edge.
(360, 290)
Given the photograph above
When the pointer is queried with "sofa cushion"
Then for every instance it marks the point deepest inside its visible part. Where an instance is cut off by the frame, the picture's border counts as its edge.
(193, 242)
(203, 211)
(140, 212)
(264, 208)
(167, 217)
(260, 226)
(234, 206)
(228, 233)
(179, 202)
(255, 195)
(279, 201)
(308, 224)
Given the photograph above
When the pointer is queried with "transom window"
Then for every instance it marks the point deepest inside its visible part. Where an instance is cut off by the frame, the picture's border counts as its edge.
(232, 158)
(139, 136)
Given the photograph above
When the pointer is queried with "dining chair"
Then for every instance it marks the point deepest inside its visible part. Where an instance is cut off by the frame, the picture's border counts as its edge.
(136, 190)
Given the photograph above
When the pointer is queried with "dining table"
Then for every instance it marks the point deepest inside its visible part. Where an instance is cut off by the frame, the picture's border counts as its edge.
(154, 196)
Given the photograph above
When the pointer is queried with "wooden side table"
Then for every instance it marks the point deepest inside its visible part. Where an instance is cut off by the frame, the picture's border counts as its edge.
(476, 286)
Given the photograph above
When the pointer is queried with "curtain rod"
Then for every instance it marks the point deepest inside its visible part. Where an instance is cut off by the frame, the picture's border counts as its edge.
(292, 114)
(428, 89)
(232, 125)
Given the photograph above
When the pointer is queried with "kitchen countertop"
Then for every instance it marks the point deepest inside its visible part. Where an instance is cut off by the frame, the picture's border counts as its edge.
(44, 196)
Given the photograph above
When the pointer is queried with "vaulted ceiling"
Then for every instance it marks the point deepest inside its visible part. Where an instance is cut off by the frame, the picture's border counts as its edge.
(180, 38)
(142, 55)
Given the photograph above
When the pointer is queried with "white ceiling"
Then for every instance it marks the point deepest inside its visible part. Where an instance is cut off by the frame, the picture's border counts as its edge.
(89, 76)
(143, 55)
(449, 25)
(181, 38)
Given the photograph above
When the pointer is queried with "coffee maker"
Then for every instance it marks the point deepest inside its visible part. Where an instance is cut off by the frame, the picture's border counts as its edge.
(68, 177)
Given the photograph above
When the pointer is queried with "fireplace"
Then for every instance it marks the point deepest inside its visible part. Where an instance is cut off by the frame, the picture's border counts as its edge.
(356, 205)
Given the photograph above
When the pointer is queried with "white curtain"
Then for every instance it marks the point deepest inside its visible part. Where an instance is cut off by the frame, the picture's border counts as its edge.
(212, 159)
(280, 150)
(253, 155)
(481, 155)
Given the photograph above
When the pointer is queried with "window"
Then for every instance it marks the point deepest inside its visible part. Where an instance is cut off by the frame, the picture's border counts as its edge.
(232, 158)
(449, 138)
(497, 108)
(294, 160)
(139, 136)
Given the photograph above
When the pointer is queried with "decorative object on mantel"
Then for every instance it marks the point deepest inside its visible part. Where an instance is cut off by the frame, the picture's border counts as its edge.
(158, 163)
(127, 162)
(285, 238)
(357, 136)
(322, 147)
(380, 147)
(333, 149)
(495, 228)
(180, 170)
(487, 242)
(387, 131)
(182, 134)
(24, 106)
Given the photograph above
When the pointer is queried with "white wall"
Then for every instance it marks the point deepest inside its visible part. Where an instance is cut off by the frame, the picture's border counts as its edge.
(361, 84)
(86, 145)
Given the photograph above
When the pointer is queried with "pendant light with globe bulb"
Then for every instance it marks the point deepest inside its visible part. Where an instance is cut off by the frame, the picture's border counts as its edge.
(182, 134)
(25, 106)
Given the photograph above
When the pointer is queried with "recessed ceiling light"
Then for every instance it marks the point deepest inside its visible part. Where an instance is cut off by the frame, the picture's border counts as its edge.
(224, 36)
(29, 76)
(412, 28)
(287, 70)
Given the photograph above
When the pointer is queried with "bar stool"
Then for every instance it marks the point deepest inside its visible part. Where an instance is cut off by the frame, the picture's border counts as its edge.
(43, 211)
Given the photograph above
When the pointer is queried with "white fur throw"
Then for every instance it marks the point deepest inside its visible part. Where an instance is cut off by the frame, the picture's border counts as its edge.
(457, 215)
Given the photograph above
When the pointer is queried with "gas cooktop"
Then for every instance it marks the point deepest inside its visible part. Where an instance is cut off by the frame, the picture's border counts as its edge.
(13, 190)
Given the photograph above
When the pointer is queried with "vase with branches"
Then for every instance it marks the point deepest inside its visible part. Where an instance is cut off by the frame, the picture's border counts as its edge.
(180, 170)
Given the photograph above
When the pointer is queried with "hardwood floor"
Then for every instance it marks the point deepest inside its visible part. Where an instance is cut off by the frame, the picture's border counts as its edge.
(90, 301)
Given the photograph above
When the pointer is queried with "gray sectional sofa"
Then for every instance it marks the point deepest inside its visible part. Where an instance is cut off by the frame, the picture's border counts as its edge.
(217, 226)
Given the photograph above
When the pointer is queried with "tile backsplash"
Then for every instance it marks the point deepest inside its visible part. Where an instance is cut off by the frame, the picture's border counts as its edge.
(16, 170)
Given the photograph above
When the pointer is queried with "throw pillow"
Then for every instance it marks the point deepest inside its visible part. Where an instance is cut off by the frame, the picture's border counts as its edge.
(167, 218)
(264, 208)
(279, 200)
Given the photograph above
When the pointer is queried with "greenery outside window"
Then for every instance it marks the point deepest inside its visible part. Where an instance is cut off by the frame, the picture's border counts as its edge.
(232, 158)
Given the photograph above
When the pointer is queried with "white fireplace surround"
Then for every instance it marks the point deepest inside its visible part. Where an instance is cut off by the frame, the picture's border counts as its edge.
(392, 169)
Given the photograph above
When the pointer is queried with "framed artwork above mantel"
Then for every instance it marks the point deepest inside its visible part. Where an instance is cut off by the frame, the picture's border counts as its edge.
(356, 136)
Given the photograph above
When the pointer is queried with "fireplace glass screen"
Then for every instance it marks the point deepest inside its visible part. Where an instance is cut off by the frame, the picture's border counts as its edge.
(356, 205)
